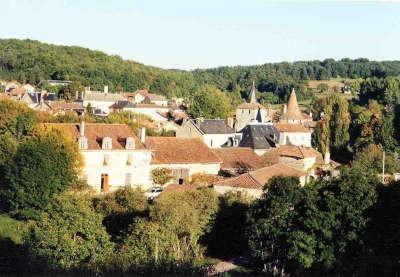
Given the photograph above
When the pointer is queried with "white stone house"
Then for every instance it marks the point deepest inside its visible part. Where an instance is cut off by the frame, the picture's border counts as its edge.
(184, 156)
(113, 156)
(100, 101)
(215, 133)
(292, 134)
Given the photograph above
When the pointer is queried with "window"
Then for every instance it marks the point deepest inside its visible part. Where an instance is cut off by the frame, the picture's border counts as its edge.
(106, 143)
(83, 143)
(128, 179)
(211, 143)
(130, 143)
(249, 111)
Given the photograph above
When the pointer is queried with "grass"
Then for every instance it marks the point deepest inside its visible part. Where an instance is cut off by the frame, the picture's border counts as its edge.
(11, 229)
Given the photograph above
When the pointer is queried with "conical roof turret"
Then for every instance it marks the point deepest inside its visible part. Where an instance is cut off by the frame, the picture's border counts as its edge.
(253, 98)
(293, 110)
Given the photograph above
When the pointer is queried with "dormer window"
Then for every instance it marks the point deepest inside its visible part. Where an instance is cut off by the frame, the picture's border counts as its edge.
(130, 143)
(83, 143)
(106, 143)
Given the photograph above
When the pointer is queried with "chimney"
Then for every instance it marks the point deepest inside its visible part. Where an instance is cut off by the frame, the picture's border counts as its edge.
(142, 134)
(36, 95)
(105, 89)
(82, 128)
(76, 95)
(327, 157)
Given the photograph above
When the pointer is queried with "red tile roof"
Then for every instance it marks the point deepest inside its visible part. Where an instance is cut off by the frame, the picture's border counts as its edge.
(173, 150)
(258, 178)
(293, 110)
(238, 157)
(95, 132)
(297, 152)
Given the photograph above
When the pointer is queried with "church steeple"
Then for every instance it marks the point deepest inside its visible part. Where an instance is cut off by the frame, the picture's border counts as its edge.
(253, 98)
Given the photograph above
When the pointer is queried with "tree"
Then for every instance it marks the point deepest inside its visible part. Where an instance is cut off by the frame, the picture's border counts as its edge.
(227, 238)
(271, 218)
(316, 228)
(332, 132)
(43, 166)
(69, 236)
(70, 91)
(161, 176)
(369, 159)
(209, 102)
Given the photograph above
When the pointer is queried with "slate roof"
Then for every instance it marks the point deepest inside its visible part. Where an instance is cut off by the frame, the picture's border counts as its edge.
(257, 136)
(173, 150)
(95, 132)
(238, 157)
(258, 178)
(119, 105)
(214, 126)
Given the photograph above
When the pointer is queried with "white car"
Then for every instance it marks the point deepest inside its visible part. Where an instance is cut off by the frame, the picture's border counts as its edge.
(153, 192)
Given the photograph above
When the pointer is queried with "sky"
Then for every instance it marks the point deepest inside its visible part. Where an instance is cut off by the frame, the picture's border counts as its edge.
(189, 34)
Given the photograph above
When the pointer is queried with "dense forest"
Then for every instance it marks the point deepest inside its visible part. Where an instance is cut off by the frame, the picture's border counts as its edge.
(33, 61)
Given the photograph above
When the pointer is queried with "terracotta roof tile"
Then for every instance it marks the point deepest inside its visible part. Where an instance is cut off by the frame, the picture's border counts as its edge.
(293, 110)
(258, 178)
(238, 157)
(291, 128)
(180, 151)
(298, 152)
(95, 132)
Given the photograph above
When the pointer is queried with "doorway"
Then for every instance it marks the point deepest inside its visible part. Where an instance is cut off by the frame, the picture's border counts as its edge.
(104, 182)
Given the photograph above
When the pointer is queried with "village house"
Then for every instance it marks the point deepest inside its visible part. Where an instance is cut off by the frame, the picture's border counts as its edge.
(237, 160)
(215, 133)
(291, 134)
(143, 96)
(248, 112)
(100, 102)
(155, 112)
(113, 156)
(258, 136)
(184, 156)
(253, 182)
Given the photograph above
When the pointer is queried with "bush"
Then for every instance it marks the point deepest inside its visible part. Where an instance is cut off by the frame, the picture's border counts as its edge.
(43, 166)
(69, 236)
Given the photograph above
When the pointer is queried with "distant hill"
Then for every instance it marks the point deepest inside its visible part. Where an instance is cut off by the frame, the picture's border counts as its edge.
(32, 61)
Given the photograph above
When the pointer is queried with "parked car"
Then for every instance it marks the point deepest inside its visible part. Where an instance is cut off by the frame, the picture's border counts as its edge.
(153, 192)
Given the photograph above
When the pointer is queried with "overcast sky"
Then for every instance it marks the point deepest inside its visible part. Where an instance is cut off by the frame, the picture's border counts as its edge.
(188, 34)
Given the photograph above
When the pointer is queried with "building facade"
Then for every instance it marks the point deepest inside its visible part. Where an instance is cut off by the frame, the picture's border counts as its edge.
(113, 156)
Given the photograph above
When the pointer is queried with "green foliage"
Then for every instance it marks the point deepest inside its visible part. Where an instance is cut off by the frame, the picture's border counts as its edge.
(16, 118)
(69, 236)
(161, 176)
(333, 129)
(168, 239)
(209, 102)
(227, 238)
(71, 91)
(43, 166)
(120, 209)
(318, 227)
(369, 159)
